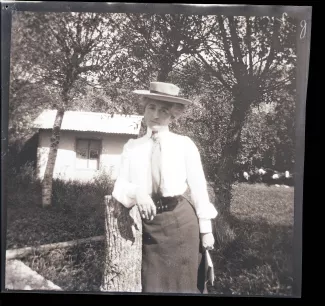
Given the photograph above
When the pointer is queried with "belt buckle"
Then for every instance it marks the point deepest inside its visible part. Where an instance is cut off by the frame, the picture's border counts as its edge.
(158, 204)
(163, 207)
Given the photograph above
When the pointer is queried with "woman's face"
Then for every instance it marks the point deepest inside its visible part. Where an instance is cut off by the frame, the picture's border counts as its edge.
(157, 113)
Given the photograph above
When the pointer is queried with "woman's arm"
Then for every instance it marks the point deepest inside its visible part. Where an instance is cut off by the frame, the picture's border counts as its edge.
(130, 194)
(124, 191)
(205, 210)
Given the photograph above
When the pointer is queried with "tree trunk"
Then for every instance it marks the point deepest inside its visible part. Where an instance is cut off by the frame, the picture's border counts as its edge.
(123, 259)
(164, 69)
(224, 177)
(48, 175)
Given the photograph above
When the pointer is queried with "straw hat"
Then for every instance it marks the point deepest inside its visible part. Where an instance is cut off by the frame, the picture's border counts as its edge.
(164, 92)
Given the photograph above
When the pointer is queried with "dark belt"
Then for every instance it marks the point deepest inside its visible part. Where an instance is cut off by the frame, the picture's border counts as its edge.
(165, 203)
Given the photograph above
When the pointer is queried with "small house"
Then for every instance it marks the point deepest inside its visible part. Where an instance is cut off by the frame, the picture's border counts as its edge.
(89, 143)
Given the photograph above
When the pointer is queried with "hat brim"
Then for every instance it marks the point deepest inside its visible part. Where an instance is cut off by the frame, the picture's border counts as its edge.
(161, 97)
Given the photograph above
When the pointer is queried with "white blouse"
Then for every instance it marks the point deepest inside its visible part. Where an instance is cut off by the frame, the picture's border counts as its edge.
(181, 168)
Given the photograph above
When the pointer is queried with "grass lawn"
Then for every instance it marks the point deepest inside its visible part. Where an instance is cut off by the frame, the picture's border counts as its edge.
(258, 262)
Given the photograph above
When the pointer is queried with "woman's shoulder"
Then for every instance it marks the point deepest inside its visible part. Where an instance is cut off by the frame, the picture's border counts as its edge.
(177, 135)
(134, 142)
(181, 136)
(183, 140)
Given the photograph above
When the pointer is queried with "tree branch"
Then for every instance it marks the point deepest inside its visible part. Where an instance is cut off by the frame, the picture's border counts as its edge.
(258, 73)
(215, 73)
(270, 58)
(143, 34)
(90, 84)
(61, 42)
(234, 40)
(276, 85)
(249, 46)
(225, 71)
(88, 68)
(239, 68)
(225, 42)
(180, 62)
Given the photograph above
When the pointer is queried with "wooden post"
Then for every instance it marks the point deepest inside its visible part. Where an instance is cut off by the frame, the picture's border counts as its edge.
(123, 258)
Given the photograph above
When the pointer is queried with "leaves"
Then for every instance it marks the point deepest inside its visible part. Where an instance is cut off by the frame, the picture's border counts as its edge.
(61, 48)
(220, 62)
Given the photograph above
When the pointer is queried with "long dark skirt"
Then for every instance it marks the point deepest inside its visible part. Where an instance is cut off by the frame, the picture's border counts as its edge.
(172, 256)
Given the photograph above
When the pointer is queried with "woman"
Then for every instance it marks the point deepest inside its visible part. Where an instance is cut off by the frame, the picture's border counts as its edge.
(156, 170)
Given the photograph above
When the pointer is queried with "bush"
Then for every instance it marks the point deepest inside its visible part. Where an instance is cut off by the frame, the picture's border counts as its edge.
(68, 194)
(77, 209)
(83, 202)
(103, 183)
(23, 187)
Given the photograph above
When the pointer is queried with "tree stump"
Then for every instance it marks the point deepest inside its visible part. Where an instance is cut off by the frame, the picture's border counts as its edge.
(123, 258)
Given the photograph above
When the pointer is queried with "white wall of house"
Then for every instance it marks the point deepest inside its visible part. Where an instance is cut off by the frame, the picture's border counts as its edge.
(69, 167)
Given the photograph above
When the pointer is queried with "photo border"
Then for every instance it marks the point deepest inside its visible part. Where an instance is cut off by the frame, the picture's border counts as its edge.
(303, 53)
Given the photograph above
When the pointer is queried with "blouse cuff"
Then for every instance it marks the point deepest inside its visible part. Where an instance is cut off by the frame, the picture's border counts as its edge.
(205, 226)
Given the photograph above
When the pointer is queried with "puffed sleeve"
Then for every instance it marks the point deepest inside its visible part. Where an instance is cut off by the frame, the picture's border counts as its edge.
(196, 180)
(124, 191)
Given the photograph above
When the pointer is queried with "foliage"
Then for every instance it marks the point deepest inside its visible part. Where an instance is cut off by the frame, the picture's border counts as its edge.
(20, 182)
(77, 211)
(228, 65)
(209, 113)
(63, 48)
(161, 42)
(267, 139)
(283, 118)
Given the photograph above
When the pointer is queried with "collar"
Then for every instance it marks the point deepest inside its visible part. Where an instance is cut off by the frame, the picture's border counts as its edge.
(162, 130)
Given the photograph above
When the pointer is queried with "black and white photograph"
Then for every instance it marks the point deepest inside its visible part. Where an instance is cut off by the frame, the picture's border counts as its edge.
(153, 148)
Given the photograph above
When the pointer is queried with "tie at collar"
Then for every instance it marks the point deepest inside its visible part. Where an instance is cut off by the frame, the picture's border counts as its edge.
(158, 132)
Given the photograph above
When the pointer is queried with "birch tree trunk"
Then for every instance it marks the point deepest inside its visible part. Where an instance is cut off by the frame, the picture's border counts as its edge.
(123, 258)
(49, 170)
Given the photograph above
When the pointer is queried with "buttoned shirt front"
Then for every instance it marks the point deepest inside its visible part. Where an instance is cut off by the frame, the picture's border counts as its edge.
(181, 168)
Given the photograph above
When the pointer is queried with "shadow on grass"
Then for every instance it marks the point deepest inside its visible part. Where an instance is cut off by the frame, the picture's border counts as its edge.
(257, 262)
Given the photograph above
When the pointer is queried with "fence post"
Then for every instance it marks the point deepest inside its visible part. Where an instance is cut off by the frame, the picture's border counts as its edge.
(123, 248)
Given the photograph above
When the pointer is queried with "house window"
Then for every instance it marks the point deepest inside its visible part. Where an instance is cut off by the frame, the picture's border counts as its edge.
(88, 152)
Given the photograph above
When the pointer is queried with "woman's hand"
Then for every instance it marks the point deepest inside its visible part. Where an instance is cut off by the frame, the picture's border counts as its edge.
(145, 204)
(207, 241)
